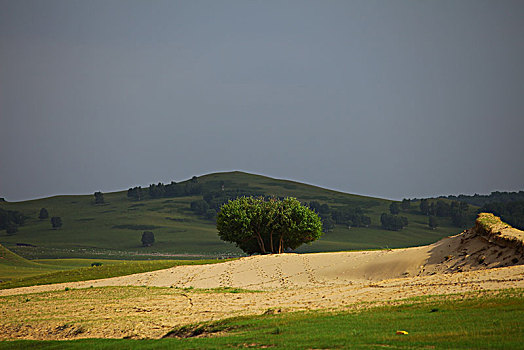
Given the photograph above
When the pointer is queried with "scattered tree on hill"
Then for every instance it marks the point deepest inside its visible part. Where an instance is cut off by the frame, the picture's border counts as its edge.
(99, 198)
(351, 216)
(315, 206)
(442, 209)
(393, 222)
(393, 208)
(43, 214)
(328, 224)
(199, 206)
(10, 220)
(148, 238)
(431, 210)
(56, 222)
(405, 204)
(257, 225)
(424, 206)
(432, 222)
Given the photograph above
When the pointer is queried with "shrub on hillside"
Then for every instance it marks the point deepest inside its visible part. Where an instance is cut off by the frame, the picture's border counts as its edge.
(148, 238)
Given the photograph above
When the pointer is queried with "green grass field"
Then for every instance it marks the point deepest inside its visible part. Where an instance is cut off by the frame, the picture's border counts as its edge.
(113, 230)
(73, 270)
(493, 320)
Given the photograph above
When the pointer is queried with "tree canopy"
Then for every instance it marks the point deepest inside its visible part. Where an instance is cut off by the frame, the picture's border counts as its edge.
(148, 238)
(56, 222)
(99, 198)
(259, 225)
(43, 214)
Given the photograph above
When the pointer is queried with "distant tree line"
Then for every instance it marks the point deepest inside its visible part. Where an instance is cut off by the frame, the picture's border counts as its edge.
(160, 190)
(347, 216)
(393, 222)
(457, 211)
(212, 201)
(135, 193)
(495, 197)
(510, 212)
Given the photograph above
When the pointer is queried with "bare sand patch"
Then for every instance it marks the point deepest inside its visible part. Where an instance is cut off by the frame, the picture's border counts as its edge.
(472, 261)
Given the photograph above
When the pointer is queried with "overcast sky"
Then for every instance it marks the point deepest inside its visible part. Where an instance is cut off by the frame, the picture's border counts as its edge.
(384, 98)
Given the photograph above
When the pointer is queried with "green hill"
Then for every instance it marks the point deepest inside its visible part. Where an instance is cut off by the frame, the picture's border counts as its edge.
(14, 266)
(114, 229)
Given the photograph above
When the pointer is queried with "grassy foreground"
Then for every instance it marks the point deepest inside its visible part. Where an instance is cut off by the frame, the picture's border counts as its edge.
(110, 268)
(494, 320)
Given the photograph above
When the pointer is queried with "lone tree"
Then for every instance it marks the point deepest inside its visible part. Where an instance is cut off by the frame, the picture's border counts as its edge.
(43, 214)
(56, 222)
(148, 238)
(99, 198)
(257, 225)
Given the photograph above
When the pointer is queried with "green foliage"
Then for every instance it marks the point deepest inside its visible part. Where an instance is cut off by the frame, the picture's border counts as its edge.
(510, 212)
(56, 222)
(43, 214)
(394, 208)
(351, 216)
(148, 238)
(199, 206)
(458, 211)
(405, 204)
(424, 206)
(393, 222)
(10, 220)
(257, 225)
(188, 188)
(493, 197)
(135, 193)
(99, 198)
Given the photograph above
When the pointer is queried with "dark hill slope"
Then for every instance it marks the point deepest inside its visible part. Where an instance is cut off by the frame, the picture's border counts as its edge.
(114, 229)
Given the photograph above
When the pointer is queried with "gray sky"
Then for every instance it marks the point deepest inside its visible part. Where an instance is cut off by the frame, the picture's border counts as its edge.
(385, 98)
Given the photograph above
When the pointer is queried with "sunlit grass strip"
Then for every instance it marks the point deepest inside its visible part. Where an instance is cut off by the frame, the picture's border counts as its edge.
(493, 320)
(104, 271)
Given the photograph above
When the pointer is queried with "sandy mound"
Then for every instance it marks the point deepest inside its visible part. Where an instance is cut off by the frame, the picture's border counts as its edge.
(490, 244)
(477, 260)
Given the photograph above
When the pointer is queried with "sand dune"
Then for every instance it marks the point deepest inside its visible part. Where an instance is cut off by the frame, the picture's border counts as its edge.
(474, 249)
(482, 258)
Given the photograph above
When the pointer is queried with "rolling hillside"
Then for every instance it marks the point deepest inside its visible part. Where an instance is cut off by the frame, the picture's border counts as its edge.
(114, 229)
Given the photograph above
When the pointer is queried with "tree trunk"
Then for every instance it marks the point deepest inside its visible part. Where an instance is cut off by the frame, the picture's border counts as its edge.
(261, 243)
(281, 244)
(271, 242)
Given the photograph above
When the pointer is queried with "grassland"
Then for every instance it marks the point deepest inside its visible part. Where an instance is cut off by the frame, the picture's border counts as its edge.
(478, 320)
(113, 230)
(73, 270)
